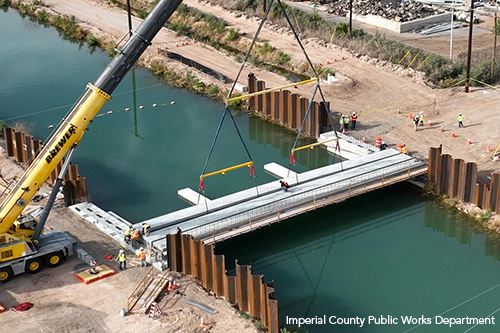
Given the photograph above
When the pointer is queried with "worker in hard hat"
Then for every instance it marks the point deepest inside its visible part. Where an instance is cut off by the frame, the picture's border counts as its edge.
(122, 259)
(416, 121)
(421, 116)
(404, 149)
(142, 256)
(346, 122)
(383, 146)
(127, 234)
(341, 122)
(134, 236)
(354, 118)
(145, 229)
(461, 120)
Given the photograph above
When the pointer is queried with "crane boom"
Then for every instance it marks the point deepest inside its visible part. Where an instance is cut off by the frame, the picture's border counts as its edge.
(70, 131)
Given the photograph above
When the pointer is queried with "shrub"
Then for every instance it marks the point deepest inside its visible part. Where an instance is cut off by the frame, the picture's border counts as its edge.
(2, 125)
(342, 29)
(92, 40)
(485, 215)
(212, 90)
(233, 34)
(142, 14)
(283, 58)
(43, 16)
(265, 48)
(4, 3)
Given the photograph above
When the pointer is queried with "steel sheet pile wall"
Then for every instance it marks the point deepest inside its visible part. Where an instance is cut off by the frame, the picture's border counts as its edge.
(24, 148)
(458, 179)
(246, 291)
(288, 109)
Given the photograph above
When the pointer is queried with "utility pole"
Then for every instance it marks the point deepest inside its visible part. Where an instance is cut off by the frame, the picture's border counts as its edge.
(350, 19)
(451, 31)
(494, 50)
(469, 52)
(129, 18)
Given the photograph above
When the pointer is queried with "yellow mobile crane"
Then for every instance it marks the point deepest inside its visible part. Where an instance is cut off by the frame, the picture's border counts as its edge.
(23, 247)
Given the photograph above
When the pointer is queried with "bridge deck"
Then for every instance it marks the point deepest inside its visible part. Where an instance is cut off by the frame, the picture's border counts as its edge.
(244, 211)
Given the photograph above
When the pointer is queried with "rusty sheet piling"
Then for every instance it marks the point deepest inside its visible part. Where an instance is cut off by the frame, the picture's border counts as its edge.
(287, 108)
(246, 291)
(458, 179)
(24, 148)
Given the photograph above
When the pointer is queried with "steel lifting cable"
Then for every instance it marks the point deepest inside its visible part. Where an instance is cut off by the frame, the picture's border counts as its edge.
(226, 110)
(250, 164)
(318, 88)
(249, 51)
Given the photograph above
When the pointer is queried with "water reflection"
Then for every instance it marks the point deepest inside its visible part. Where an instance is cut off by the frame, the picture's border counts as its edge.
(461, 228)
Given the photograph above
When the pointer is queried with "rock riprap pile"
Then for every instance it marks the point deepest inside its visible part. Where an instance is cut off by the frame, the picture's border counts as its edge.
(400, 11)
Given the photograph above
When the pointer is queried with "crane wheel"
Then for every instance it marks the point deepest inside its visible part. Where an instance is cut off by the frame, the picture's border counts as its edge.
(33, 266)
(5, 274)
(54, 259)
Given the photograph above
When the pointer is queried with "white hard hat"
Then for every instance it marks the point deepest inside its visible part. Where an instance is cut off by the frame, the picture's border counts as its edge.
(383, 142)
(121, 251)
(459, 114)
(421, 112)
(353, 112)
(141, 249)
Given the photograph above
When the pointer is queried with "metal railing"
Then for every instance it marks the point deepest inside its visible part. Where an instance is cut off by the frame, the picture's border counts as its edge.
(282, 205)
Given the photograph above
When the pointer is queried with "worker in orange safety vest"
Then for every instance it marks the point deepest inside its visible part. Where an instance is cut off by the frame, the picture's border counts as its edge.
(142, 256)
(134, 236)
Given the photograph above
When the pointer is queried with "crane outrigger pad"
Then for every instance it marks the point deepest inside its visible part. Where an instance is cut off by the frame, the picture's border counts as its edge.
(87, 277)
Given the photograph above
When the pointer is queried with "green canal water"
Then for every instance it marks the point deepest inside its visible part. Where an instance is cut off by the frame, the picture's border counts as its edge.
(390, 253)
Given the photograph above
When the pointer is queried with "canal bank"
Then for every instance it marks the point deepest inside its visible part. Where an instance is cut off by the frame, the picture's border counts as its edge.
(115, 163)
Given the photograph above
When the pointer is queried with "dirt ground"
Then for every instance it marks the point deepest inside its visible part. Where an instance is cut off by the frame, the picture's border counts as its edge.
(375, 89)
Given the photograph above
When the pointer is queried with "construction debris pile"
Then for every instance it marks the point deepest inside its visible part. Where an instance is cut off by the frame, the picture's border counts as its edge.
(400, 11)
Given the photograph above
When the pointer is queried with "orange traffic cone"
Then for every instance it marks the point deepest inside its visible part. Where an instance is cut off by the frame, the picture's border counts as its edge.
(327, 62)
(441, 129)
(410, 116)
(320, 64)
(430, 123)
(364, 139)
(176, 44)
(469, 142)
(202, 322)
(398, 112)
(343, 58)
(453, 135)
(343, 131)
(488, 149)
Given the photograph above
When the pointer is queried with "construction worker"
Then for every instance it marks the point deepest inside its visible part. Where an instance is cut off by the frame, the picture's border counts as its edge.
(354, 118)
(416, 120)
(341, 122)
(404, 149)
(145, 229)
(461, 120)
(127, 234)
(142, 256)
(284, 185)
(122, 259)
(383, 146)
(134, 236)
(346, 122)
(421, 118)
